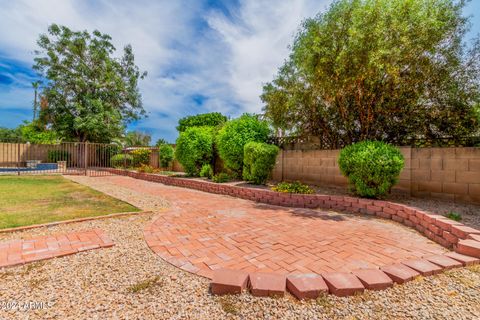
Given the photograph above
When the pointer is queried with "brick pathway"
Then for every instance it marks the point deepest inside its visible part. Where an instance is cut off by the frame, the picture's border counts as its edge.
(15, 252)
(202, 232)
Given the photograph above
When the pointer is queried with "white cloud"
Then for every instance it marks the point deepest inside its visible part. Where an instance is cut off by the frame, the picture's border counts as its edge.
(187, 47)
(258, 40)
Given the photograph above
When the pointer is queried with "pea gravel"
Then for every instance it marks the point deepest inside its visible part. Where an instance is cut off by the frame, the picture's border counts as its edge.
(128, 281)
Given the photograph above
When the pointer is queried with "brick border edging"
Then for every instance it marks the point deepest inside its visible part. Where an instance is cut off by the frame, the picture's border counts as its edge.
(446, 232)
(57, 223)
(435, 227)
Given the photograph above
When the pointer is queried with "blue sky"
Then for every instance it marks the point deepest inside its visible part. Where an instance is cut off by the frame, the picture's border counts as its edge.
(201, 55)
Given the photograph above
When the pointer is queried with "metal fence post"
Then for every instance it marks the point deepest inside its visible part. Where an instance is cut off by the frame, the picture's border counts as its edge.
(85, 156)
(18, 158)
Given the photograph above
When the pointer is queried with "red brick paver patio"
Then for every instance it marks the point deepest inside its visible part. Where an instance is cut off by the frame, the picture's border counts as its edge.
(15, 252)
(203, 232)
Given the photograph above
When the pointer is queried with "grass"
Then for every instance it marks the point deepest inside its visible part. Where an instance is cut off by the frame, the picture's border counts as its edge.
(28, 200)
(454, 216)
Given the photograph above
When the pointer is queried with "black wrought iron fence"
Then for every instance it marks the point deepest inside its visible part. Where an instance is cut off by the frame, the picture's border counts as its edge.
(76, 158)
(317, 143)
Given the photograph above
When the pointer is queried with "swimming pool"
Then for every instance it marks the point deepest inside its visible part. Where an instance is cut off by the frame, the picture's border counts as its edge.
(39, 167)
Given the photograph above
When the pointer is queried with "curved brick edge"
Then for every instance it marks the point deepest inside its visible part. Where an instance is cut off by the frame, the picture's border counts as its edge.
(341, 284)
(448, 233)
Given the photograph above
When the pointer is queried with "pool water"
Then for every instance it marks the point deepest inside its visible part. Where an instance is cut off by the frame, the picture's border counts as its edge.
(39, 167)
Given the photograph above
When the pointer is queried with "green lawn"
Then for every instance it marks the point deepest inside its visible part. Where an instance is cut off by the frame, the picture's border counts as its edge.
(27, 200)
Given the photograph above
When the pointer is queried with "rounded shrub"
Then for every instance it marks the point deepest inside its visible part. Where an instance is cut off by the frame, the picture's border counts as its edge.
(235, 134)
(120, 160)
(372, 167)
(165, 155)
(141, 156)
(258, 161)
(194, 148)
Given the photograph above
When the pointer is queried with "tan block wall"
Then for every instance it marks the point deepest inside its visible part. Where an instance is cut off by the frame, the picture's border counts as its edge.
(447, 173)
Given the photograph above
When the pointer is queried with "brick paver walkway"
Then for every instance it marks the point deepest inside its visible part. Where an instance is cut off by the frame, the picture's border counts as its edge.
(202, 232)
(15, 252)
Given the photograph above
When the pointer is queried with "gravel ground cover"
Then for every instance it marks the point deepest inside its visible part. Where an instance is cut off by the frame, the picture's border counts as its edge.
(129, 281)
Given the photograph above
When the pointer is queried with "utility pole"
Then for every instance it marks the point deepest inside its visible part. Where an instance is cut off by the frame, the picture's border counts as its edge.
(35, 102)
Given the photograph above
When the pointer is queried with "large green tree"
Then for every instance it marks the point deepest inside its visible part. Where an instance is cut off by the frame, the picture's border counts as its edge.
(212, 119)
(91, 95)
(379, 69)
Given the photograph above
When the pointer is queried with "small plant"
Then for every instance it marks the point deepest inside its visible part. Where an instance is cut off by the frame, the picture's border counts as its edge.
(293, 187)
(372, 167)
(121, 160)
(228, 304)
(140, 156)
(206, 171)
(258, 161)
(146, 284)
(324, 301)
(58, 155)
(146, 168)
(221, 177)
(165, 155)
(454, 216)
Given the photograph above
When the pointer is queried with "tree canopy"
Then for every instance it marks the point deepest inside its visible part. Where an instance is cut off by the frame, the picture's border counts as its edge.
(91, 95)
(211, 119)
(137, 139)
(381, 70)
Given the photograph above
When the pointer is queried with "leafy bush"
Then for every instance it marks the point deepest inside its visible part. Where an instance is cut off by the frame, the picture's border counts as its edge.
(141, 156)
(235, 134)
(293, 187)
(454, 216)
(165, 155)
(58, 155)
(258, 161)
(194, 148)
(211, 119)
(372, 167)
(146, 168)
(120, 160)
(221, 177)
(206, 171)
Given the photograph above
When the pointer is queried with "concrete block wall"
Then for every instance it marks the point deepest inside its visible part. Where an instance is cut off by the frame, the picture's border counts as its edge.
(447, 173)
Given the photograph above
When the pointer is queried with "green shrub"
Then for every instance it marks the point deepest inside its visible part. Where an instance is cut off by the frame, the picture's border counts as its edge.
(293, 187)
(206, 171)
(212, 119)
(221, 177)
(57, 155)
(258, 161)
(454, 216)
(235, 134)
(165, 155)
(194, 149)
(141, 156)
(120, 160)
(372, 167)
